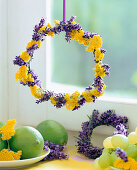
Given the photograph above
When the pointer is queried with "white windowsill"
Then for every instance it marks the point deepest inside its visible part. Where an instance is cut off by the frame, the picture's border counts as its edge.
(72, 120)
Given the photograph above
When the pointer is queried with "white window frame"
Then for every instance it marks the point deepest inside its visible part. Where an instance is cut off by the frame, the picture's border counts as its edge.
(21, 105)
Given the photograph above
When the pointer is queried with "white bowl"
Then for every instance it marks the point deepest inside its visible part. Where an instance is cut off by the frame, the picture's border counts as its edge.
(24, 162)
(112, 168)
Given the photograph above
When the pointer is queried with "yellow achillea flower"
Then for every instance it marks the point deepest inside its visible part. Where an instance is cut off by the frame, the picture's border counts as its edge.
(87, 95)
(99, 70)
(49, 25)
(96, 93)
(72, 101)
(57, 22)
(73, 22)
(134, 166)
(130, 164)
(72, 34)
(50, 33)
(90, 48)
(79, 35)
(25, 56)
(37, 92)
(7, 155)
(21, 74)
(96, 42)
(104, 87)
(7, 130)
(33, 42)
(17, 75)
(30, 79)
(52, 100)
(86, 41)
(42, 29)
(98, 55)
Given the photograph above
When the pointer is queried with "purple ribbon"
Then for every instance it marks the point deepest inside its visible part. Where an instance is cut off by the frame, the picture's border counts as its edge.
(64, 10)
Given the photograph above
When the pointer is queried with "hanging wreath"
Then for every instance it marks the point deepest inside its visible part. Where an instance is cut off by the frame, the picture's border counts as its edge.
(73, 30)
(108, 118)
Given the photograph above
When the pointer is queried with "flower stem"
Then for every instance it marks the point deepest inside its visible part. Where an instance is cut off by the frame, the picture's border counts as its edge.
(82, 140)
(8, 144)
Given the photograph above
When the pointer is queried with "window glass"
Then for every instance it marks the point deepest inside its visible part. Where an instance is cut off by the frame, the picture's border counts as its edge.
(116, 22)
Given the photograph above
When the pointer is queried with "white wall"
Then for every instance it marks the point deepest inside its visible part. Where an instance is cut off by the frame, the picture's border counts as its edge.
(23, 15)
(3, 61)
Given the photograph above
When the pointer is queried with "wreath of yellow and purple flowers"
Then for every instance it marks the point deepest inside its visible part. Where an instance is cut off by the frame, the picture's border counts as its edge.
(73, 30)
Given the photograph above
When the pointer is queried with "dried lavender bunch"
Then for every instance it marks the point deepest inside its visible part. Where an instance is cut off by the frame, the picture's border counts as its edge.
(56, 151)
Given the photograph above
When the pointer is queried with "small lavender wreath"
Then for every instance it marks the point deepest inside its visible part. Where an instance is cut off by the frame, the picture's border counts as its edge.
(108, 118)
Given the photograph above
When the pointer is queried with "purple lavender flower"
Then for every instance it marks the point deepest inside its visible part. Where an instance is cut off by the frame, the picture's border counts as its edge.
(81, 102)
(37, 36)
(38, 83)
(71, 19)
(46, 97)
(56, 151)
(77, 27)
(120, 129)
(92, 34)
(56, 30)
(89, 88)
(60, 100)
(86, 35)
(69, 27)
(95, 118)
(35, 77)
(37, 27)
(89, 150)
(122, 154)
(103, 51)
(106, 67)
(42, 21)
(33, 74)
(46, 31)
(18, 61)
(98, 82)
(32, 48)
(68, 37)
